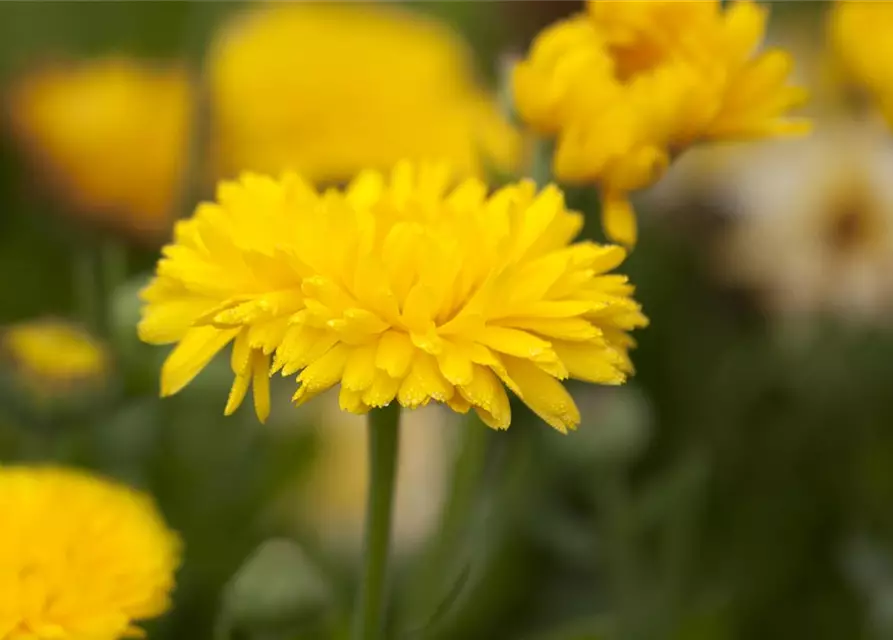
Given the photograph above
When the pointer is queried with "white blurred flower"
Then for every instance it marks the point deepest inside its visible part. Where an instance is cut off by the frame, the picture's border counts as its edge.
(812, 223)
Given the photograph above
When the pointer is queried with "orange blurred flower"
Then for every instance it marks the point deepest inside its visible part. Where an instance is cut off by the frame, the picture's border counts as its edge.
(111, 136)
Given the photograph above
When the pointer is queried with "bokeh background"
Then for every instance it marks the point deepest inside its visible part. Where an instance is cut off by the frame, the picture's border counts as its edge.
(740, 487)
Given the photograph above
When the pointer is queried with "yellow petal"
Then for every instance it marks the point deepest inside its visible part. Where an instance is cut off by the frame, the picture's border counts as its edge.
(619, 219)
(382, 390)
(359, 372)
(455, 362)
(543, 394)
(394, 354)
(591, 363)
(487, 395)
(261, 366)
(191, 355)
(423, 382)
(237, 392)
(512, 341)
(241, 355)
(325, 371)
(351, 401)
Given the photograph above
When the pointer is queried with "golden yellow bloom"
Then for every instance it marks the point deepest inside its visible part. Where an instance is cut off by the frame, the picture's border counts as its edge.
(81, 558)
(51, 354)
(328, 89)
(627, 86)
(859, 34)
(112, 136)
(396, 288)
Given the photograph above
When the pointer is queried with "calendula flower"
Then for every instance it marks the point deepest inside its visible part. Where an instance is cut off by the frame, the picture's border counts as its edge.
(50, 356)
(81, 558)
(111, 136)
(331, 499)
(328, 89)
(627, 86)
(859, 34)
(398, 288)
(813, 225)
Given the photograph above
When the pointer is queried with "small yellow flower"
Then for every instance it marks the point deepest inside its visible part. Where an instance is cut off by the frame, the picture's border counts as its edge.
(396, 288)
(627, 86)
(49, 355)
(81, 558)
(859, 34)
(328, 89)
(111, 136)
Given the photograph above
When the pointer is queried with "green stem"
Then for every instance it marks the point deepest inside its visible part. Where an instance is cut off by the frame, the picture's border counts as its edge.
(384, 435)
(616, 499)
(114, 267)
(86, 289)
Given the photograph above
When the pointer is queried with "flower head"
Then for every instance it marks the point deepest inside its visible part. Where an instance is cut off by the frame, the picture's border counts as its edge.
(328, 89)
(49, 355)
(81, 558)
(398, 288)
(859, 33)
(813, 232)
(111, 136)
(627, 86)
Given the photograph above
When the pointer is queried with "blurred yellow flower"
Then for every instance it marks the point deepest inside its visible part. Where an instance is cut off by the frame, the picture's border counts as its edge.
(397, 287)
(112, 136)
(81, 558)
(627, 86)
(331, 500)
(813, 225)
(328, 89)
(50, 354)
(859, 34)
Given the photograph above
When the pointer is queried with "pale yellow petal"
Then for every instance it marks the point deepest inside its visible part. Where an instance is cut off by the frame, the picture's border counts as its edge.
(545, 395)
(191, 355)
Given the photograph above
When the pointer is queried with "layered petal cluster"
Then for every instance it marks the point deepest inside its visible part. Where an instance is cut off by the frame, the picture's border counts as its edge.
(81, 558)
(111, 136)
(329, 89)
(627, 86)
(859, 33)
(399, 288)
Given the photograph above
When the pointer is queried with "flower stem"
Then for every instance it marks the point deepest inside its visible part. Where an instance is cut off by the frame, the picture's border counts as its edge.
(383, 440)
(86, 289)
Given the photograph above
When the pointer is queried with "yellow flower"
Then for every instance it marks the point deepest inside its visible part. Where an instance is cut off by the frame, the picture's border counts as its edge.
(328, 89)
(52, 354)
(112, 136)
(396, 288)
(859, 34)
(81, 558)
(627, 86)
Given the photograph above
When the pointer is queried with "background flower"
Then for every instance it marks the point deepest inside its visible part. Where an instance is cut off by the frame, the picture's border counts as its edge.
(112, 136)
(106, 562)
(329, 89)
(813, 224)
(859, 36)
(629, 85)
